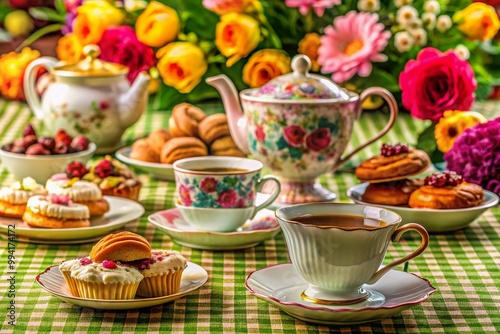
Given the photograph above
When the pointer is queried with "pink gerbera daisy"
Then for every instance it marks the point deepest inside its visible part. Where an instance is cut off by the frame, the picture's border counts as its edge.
(351, 45)
(319, 6)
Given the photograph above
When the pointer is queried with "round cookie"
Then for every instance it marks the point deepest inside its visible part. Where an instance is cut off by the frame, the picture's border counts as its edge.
(213, 127)
(143, 150)
(225, 146)
(182, 147)
(123, 246)
(184, 120)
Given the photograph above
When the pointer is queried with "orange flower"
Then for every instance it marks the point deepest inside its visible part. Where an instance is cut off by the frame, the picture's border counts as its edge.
(93, 17)
(12, 68)
(478, 21)
(309, 46)
(69, 49)
(157, 25)
(265, 65)
(181, 65)
(236, 35)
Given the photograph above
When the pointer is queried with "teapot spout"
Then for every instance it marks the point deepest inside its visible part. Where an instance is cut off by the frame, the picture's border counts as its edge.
(134, 102)
(236, 120)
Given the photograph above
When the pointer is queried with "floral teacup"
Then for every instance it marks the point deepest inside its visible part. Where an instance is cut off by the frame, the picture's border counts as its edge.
(221, 183)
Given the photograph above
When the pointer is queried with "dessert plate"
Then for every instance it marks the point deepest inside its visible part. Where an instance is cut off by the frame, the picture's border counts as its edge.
(264, 226)
(156, 170)
(121, 211)
(52, 281)
(445, 220)
(281, 285)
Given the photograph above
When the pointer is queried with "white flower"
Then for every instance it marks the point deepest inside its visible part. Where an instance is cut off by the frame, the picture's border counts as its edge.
(131, 5)
(443, 23)
(403, 41)
(432, 6)
(419, 36)
(401, 3)
(368, 5)
(405, 14)
(429, 20)
(413, 24)
(462, 51)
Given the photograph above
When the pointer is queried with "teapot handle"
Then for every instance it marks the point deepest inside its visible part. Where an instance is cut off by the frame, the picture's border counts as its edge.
(29, 83)
(393, 108)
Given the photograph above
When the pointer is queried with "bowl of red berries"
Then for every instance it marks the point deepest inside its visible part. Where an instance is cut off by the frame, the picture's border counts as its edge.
(40, 157)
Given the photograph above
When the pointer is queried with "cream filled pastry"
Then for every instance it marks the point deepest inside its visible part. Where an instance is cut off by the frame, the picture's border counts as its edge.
(82, 192)
(13, 199)
(55, 211)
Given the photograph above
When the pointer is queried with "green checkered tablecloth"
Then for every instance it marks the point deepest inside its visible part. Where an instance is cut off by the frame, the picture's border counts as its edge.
(464, 266)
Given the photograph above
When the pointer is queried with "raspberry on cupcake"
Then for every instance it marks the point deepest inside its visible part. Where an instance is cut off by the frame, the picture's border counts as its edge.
(13, 199)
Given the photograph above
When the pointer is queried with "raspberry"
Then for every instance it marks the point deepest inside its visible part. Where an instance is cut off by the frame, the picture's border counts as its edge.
(76, 169)
(388, 150)
(109, 264)
(85, 261)
(448, 178)
(59, 199)
(104, 169)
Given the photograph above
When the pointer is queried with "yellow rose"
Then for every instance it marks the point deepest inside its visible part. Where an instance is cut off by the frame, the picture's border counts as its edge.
(478, 21)
(452, 124)
(265, 65)
(236, 35)
(223, 7)
(181, 65)
(92, 18)
(12, 68)
(309, 46)
(157, 25)
(69, 49)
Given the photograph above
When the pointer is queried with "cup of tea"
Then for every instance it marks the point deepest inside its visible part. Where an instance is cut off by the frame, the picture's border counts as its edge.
(218, 193)
(338, 248)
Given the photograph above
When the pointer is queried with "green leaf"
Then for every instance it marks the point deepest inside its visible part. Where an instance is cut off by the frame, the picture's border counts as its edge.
(483, 90)
(426, 141)
(47, 14)
(39, 33)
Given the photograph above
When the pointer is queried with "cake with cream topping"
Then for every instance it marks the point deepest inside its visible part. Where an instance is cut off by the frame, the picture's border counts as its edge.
(13, 199)
(55, 211)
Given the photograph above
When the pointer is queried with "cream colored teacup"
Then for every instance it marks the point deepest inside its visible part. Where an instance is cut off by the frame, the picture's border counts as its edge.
(337, 260)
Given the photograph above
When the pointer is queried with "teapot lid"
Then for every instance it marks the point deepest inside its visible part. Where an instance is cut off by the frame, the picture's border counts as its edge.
(91, 66)
(300, 85)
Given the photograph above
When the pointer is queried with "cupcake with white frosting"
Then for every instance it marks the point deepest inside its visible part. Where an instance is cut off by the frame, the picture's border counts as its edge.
(13, 199)
(55, 211)
(106, 280)
(162, 273)
(66, 267)
(79, 191)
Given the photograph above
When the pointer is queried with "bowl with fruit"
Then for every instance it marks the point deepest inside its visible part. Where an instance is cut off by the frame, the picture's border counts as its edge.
(42, 156)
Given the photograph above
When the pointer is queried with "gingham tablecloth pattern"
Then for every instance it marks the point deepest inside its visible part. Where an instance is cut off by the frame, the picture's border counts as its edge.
(464, 266)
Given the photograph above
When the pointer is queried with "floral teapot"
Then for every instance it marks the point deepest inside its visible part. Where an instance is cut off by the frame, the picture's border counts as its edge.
(298, 125)
(92, 97)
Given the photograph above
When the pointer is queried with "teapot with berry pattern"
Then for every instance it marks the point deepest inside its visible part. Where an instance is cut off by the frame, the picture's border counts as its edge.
(298, 125)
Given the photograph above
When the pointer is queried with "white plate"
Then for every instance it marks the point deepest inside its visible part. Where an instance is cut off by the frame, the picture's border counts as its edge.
(52, 281)
(264, 226)
(156, 170)
(121, 211)
(432, 220)
(281, 285)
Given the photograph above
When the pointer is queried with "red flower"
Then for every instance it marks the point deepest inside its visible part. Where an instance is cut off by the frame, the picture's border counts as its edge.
(227, 198)
(436, 82)
(260, 134)
(208, 185)
(493, 3)
(318, 140)
(294, 135)
(184, 195)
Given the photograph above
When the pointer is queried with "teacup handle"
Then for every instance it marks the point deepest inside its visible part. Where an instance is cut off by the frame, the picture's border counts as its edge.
(393, 108)
(29, 83)
(396, 235)
(274, 194)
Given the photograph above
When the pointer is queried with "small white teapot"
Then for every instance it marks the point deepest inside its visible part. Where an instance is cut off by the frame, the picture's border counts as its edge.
(92, 97)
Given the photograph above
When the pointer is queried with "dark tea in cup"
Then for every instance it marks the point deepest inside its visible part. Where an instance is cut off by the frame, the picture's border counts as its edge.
(342, 221)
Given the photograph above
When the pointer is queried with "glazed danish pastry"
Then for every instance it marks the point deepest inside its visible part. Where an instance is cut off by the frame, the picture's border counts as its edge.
(391, 193)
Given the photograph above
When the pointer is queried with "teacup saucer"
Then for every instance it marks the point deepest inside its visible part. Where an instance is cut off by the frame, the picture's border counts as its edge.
(281, 285)
(262, 227)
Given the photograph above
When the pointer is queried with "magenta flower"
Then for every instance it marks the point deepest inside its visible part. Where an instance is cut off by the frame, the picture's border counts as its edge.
(260, 135)
(208, 185)
(318, 140)
(475, 155)
(227, 198)
(351, 45)
(436, 82)
(294, 135)
(120, 45)
(318, 6)
(185, 195)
